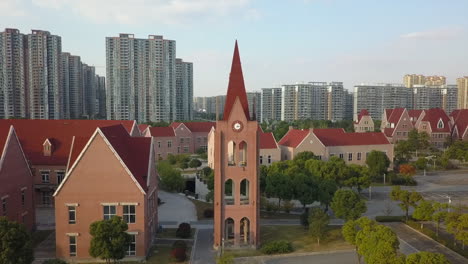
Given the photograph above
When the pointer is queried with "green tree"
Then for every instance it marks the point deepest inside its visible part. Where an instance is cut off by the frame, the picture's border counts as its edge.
(15, 243)
(451, 221)
(279, 185)
(334, 169)
(378, 244)
(305, 189)
(326, 190)
(403, 151)
(358, 177)
(423, 212)
(263, 175)
(440, 212)
(318, 224)
(423, 257)
(171, 178)
(195, 163)
(109, 239)
(210, 181)
(407, 199)
(206, 171)
(457, 224)
(378, 163)
(302, 157)
(348, 205)
(184, 165)
(351, 228)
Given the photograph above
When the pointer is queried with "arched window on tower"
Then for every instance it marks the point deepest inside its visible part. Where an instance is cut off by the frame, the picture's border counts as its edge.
(229, 192)
(245, 231)
(243, 154)
(229, 232)
(231, 153)
(244, 191)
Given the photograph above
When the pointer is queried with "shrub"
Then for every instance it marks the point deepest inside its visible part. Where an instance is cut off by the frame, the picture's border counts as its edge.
(54, 261)
(305, 218)
(225, 259)
(263, 202)
(403, 180)
(288, 206)
(184, 230)
(277, 247)
(179, 254)
(390, 218)
(208, 213)
(179, 244)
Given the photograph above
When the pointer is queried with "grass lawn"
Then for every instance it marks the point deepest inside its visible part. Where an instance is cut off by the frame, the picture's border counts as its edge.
(299, 238)
(162, 255)
(39, 236)
(271, 215)
(171, 233)
(201, 207)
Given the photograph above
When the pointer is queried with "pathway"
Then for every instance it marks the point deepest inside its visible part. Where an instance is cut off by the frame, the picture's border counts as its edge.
(203, 248)
(45, 250)
(176, 208)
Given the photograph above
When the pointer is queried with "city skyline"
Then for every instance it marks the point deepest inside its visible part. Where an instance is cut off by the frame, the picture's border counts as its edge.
(333, 48)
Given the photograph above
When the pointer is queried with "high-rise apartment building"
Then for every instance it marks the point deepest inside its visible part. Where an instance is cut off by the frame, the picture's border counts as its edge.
(349, 105)
(270, 104)
(141, 78)
(210, 105)
(377, 97)
(43, 56)
(72, 83)
(12, 74)
(89, 91)
(410, 80)
(101, 95)
(254, 99)
(462, 84)
(336, 101)
(426, 97)
(184, 90)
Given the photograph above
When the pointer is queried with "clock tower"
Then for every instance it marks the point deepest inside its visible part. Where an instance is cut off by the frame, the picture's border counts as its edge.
(236, 190)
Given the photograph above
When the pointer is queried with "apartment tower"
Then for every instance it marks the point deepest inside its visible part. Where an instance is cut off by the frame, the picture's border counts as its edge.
(462, 84)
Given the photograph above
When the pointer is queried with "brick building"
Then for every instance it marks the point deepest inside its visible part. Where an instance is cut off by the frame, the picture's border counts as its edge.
(364, 122)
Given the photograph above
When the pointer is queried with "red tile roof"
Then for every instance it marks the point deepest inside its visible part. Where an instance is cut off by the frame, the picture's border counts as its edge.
(267, 140)
(294, 137)
(4, 131)
(388, 131)
(338, 137)
(236, 87)
(162, 131)
(363, 112)
(388, 113)
(460, 117)
(33, 133)
(395, 115)
(433, 116)
(142, 127)
(196, 126)
(134, 151)
(415, 114)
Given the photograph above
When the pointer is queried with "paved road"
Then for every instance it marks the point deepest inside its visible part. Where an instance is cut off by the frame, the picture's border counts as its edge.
(203, 247)
(416, 241)
(176, 208)
(332, 258)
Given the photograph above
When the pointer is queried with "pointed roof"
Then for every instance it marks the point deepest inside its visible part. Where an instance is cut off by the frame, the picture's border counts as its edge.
(236, 87)
(361, 114)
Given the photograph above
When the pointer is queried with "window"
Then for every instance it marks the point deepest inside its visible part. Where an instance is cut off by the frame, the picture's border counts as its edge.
(72, 243)
(187, 140)
(23, 198)
(350, 156)
(261, 159)
(359, 156)
(332, 154)
(186, 149)
(341, 155)
(204, 139)
(269, 159)
(440, 124)
(60, 176)
(4, 206)
(71, 214)
(45, 176)
(159, 144)
(131, 251)
(129, 214)
(109, 211)
(46, 198)
(198, 140)
(181, 140)
(169, 143)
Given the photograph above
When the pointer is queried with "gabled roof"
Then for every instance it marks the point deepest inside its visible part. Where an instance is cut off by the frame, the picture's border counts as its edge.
(338, 137)
(142, 127)
(414, 115)
(395, 115)
(33, 132)
(267, 140)
(195, 126)
(361, 114)
(388, 113)
(294, 137)
(433, 116)
(4, 132)
(236, 87)
(460, 118)
(388, 131)
(162, 131)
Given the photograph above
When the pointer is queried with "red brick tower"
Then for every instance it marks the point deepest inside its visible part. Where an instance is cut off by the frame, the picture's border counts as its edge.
(236, 193)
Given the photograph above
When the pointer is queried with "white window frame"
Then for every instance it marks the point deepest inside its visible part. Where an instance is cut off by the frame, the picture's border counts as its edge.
(62, 173)
(350, 156)
(261, 159)
(127, 215)
(43, 173)
(109, 215)
(359, 156)
(129, 251)
(75, 244)
(71, 208)
(169, 143)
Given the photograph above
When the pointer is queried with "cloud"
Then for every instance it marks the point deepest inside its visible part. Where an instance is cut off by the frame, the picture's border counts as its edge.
(146, 11)
(438, 33)
(11, 8)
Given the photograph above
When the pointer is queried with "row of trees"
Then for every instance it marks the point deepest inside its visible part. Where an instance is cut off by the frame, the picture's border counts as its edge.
(377, 243)
(308, 179)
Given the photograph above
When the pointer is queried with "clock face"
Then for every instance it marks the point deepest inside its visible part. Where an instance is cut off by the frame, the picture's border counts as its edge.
(237, 126)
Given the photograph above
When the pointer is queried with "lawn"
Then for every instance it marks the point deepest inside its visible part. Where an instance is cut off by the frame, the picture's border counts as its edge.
(171, 233)
(201, 207)
(162, 255)
(271, 215)
(300, 239)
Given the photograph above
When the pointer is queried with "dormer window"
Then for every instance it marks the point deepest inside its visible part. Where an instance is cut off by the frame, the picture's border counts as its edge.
(440, 124)
(47, 148)
(392, 125)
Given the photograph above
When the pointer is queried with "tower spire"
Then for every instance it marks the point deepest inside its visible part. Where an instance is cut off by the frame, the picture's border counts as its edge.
(236, 87)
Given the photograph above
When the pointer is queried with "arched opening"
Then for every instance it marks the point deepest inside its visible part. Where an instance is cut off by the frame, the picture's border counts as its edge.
(229, 232)
(243, 153)
(245, 231)
(229, 192)
(231, 153)
(244, 191)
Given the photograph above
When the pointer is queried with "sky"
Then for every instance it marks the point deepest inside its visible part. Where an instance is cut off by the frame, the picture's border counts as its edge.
(280, 41)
